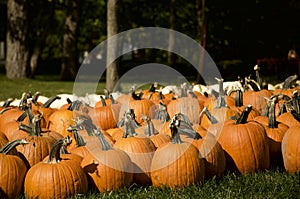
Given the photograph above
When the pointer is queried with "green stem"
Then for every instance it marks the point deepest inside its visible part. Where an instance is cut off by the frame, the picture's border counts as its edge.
(103, 141)
(78, 138)
(7, 102)
(11, 145)
(295, 102)
(210, 117)
(35, 97)
(103, 101)
(149, 129)
(174, 124)
(50, 101)
(244, 116)
(288, 81)
(272, 123)
(162, 113)
(239, 98)
(54, 156)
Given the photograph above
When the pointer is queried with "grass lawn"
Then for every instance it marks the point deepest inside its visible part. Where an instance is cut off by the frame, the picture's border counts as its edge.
(268, 184)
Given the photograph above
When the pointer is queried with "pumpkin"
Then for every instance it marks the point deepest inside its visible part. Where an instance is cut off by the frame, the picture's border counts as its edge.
(12, 171)
(177, 163)
(44, 108)
(275, 132)
(220, 111)
(212, 154)
(39, 144)
(105, 116)
(140, 151)
(257, 99)
(245, 144)
(139, 105)
(148, 130)
(291, 149)
(187, 104)
(109, 168)
(80, 148)
(55, 177)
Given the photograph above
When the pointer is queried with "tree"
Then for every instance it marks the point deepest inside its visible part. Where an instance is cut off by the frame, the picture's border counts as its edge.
(171, 57)
(112, 74)
(17, 57)
(41, 21)
(70, 52)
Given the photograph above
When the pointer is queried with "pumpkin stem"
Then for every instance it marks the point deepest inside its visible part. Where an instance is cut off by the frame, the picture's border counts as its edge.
(7, 102)
(221, 98)
(174, 124)
(78, 138)
(239, 98)
(295, 102)
(50, 101)
(103, 141)
(122, 121)
(85, 123)
(153, 87)
(244, 116)
(11, 145)
(210, 117)
(36, 125)
(130, 124)
(35, 97)
(252, 84)
(103, 101)
(149, 129)
(106, 93)
(113, 101)
(75, 105)
(272, 123)
(54, 156)
(185, 126)
(23, 101)
(25, 128)
(258, 78)
(162, 114)
(288, 82)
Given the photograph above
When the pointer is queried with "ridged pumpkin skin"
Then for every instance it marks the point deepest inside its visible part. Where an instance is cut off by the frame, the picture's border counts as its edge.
(291, 149)
(177, 165)
(140, 150)
(12, 175)
(56, 177)
(37, 149)
(246, 146)
(213, 155)
(61, 180)
(109, 169)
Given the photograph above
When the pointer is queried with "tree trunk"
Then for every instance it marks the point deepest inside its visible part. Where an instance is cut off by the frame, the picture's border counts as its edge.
(201, 33)
(171, 57)
(17, 57)
(70, 52)
(112, 71)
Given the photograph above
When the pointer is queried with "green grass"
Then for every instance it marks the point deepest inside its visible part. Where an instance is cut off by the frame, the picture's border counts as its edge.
(47, 85)
(268, 184)
(271, 184)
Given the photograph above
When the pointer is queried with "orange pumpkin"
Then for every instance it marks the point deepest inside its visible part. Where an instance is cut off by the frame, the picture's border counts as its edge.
(245, 144)
(140, 151)
(109, 168)
(55, 177)
(291, 149)
(177, 164)
(12, 171)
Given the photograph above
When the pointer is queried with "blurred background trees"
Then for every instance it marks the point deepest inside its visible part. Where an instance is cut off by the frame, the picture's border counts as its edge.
(51, 36)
